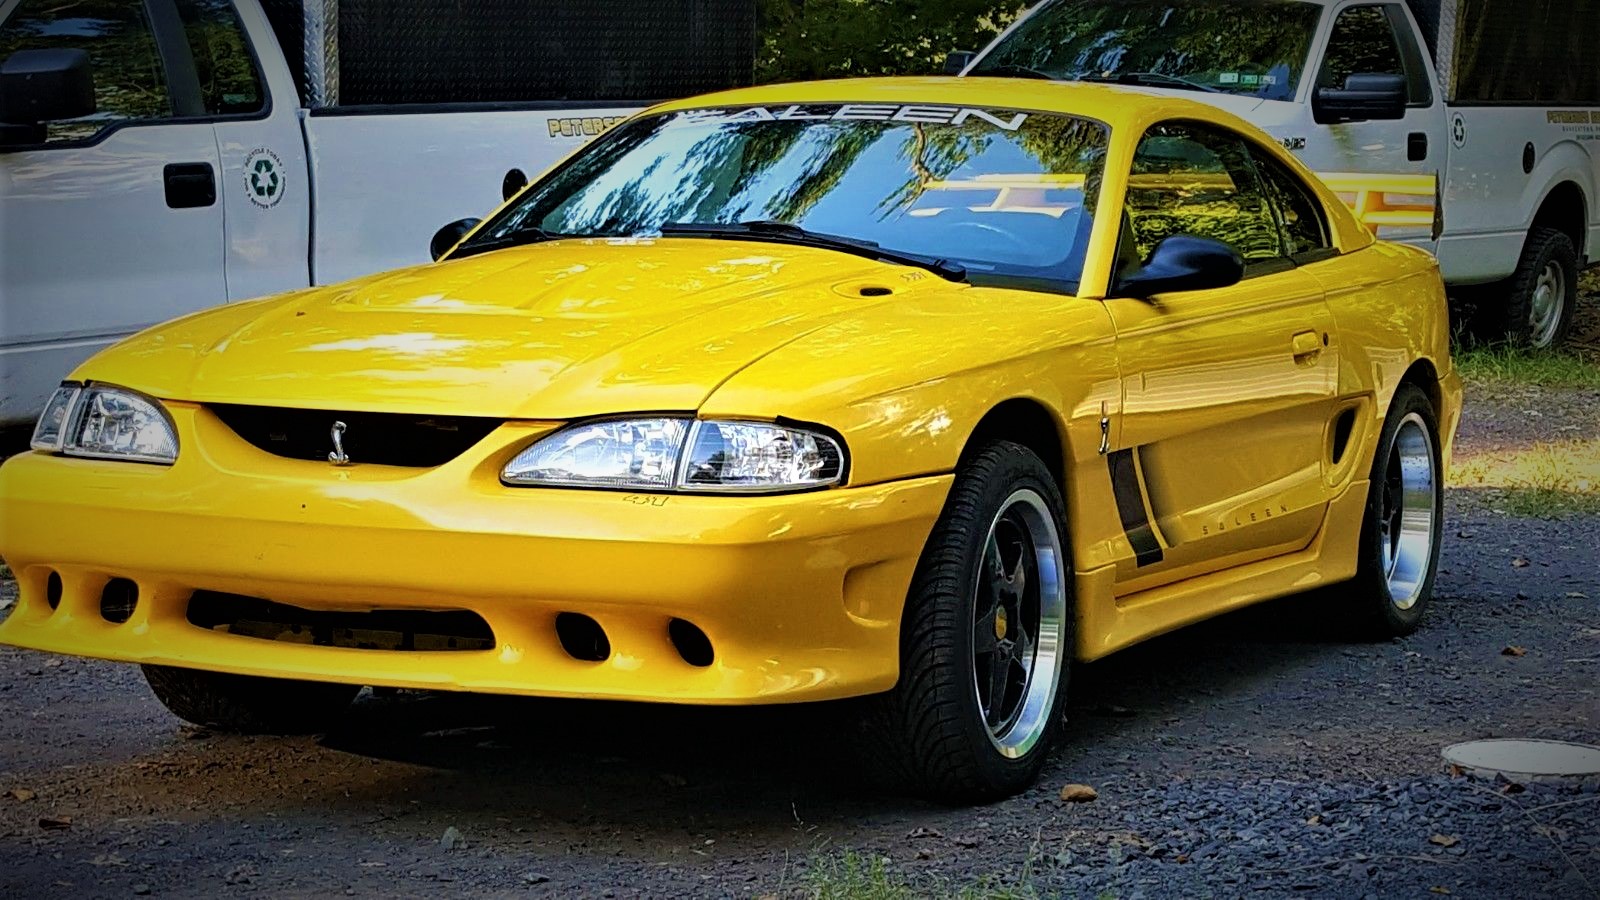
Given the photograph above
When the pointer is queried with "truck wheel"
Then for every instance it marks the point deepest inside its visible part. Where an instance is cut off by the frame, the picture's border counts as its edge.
(247, 704)
(1543, 292)
(1399, 544)
(985, 641)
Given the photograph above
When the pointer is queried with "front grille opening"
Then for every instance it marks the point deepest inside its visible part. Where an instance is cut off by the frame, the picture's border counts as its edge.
(378, 629)
(52, 590)
(384, 439)
(582, 637)
(117, 600)
(1342, 427)
(690, 642)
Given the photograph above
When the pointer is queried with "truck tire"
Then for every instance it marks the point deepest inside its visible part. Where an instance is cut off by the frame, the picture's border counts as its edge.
(247, 704)
(986, 640)
(1541, 295)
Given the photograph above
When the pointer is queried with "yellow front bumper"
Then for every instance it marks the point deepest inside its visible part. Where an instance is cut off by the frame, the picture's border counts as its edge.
(800, 595)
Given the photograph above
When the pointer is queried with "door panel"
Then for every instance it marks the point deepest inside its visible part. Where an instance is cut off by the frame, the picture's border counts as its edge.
(1227, 397)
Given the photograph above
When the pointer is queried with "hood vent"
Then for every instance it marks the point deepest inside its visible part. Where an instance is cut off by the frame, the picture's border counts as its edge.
(383, 439)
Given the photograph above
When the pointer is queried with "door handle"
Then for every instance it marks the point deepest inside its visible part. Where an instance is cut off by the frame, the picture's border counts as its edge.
(190, 185)
(1307, 345)
(1417, 146)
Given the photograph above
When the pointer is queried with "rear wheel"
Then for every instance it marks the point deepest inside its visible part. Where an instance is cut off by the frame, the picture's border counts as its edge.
(248, 704)
(1542, 294)
(985, 638)
(1400, 534)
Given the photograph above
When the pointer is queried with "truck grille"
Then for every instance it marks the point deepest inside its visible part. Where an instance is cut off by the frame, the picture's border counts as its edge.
(385, 439)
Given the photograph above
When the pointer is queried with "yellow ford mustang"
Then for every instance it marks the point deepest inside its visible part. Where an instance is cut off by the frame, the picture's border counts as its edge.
(914, 390)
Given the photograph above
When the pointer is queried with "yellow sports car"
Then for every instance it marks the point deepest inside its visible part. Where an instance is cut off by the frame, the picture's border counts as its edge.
(909, 390)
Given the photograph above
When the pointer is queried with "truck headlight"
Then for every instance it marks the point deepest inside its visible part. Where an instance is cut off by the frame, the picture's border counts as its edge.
(106, 422)
(680, 454)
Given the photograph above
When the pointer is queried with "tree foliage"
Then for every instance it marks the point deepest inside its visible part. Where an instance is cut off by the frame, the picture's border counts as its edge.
(805, 39)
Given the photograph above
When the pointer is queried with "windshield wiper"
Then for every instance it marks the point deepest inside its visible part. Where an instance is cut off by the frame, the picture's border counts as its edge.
(527, 234)
(1152, 79)
(1015, 71)
(785, 233)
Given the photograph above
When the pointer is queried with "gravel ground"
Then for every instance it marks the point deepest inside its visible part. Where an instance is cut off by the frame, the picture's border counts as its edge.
(1249, 755)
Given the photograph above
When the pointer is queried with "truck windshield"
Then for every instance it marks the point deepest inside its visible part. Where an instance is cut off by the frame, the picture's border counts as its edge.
(987, 195)
(1256, 48)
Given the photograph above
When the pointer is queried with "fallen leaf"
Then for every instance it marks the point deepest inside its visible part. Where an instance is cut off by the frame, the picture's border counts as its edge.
(1079, 793)
(534, 878)
(1577, 595)
(21, 795)
(1514, 650)
(921, 832)
(1519, 563)
(1314, 820)
(1444, 840)
(55, 823)
(1512, 788)
(1438, 890)
(107, 859)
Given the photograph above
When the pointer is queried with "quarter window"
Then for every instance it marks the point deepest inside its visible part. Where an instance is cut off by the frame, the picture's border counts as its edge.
(229, 84)
(129, 81)
(1188, 179)
(1305, 228)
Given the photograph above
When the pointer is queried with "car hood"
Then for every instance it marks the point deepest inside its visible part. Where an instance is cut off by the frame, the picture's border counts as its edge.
(548, 331)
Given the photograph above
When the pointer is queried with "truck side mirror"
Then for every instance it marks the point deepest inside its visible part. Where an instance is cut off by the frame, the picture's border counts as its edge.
(39, 86)
(1365, 96)
(1183, 262)
(514, 181)
(450, 235)
(957, 61)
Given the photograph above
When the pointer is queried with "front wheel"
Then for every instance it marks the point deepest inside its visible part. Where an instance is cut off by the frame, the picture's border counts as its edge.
(1400, 534)
(986, 638)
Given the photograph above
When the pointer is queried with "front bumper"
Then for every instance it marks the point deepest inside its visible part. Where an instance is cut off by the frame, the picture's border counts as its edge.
(800, 595)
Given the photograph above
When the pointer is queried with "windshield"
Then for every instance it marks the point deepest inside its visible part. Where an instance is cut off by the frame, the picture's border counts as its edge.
(1007, 194)
(1257, 48)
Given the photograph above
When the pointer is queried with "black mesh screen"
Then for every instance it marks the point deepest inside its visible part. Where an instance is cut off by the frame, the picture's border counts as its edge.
(1539, 52)
(509, 51)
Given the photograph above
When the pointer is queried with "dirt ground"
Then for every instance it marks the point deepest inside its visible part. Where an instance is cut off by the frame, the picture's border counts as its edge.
(1250, 754)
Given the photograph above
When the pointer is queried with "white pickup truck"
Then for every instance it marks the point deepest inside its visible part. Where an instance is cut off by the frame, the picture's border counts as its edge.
(1475, 135)
(158, 157)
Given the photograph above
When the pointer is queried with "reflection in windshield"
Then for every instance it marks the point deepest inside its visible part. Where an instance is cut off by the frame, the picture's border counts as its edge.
(1251, 47)
(1005, 193)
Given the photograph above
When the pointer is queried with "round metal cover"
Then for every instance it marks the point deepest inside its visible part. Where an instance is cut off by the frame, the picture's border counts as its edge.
(1525, 760)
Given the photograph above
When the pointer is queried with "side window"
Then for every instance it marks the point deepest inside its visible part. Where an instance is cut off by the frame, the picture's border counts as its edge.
(1305, 226)
(1190, 179)
(1368, 40)
(229, 83)
(129, 82)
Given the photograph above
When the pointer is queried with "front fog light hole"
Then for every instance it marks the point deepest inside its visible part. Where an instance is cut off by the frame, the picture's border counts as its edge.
(582, 637)
(117, 600)
(52, 590)
(691, 643)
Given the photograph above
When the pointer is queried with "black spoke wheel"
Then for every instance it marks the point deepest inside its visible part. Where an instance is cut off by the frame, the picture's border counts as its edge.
(986, 638)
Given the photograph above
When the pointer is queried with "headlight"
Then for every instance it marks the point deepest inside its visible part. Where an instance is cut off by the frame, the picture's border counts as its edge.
(106, 422)
(672, 454)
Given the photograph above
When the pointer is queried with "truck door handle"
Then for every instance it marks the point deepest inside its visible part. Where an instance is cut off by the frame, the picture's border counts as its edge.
(190, 185)
(1417, 146)
(1307, 345)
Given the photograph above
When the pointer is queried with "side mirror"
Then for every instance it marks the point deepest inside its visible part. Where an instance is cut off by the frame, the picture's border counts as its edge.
(514, 181)
(957, 61)
(1364, 97)
(38, 86)
(450, 235)
(1183, 262)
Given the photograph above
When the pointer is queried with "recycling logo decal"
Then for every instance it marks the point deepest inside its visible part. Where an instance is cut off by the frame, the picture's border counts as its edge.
(263, 177)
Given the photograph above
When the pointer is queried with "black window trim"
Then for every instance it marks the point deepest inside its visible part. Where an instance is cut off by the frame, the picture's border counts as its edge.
(175, 53)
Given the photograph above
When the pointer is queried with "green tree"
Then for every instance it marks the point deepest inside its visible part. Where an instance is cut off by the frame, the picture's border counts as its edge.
(805, 39)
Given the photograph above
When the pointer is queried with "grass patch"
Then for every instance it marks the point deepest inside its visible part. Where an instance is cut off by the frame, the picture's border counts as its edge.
(1542, 368)
(853, 876)
(1548, 480)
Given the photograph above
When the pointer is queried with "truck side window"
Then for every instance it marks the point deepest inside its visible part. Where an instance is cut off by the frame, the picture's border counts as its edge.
(1365, 40)
(1189, 179)
(1304, 224)
(129, 81)
(229, 83)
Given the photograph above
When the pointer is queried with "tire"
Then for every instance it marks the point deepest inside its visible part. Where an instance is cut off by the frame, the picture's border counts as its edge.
(1540, 297)
(247, 704)
(938, 734)
(1399, 544)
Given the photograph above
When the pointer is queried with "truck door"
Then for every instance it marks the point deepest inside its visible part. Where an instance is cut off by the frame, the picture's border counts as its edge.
(112, 220)
(1381, 38)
